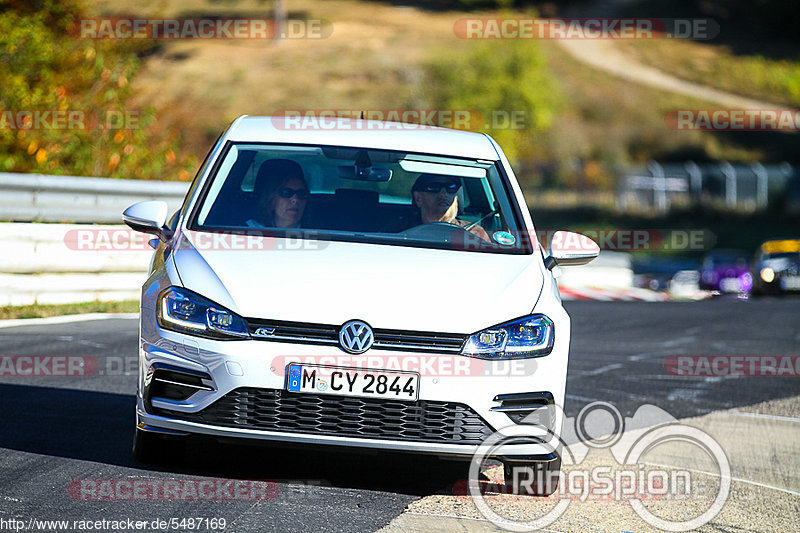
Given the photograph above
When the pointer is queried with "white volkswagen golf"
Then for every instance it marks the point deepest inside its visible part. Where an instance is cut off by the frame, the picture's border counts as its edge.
(353, 283)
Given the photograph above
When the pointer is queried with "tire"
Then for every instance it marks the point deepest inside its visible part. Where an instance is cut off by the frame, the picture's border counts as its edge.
(543, 477)
(152, 448)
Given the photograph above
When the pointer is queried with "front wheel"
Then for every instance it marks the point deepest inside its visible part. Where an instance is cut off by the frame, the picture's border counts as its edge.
(532, 479)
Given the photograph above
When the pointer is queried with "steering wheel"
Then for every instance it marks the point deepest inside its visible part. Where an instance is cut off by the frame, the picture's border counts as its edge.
(437, 231)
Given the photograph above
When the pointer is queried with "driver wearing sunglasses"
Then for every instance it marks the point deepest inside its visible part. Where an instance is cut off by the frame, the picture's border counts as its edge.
(282, 195)
(435, 196)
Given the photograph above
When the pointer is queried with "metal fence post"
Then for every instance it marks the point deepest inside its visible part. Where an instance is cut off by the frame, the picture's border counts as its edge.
(695, 178)
(730, 183)
(622, 192)
(659, 186)
(762, 184)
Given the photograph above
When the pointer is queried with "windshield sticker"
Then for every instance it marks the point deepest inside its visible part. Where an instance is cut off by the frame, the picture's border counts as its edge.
(504, 238)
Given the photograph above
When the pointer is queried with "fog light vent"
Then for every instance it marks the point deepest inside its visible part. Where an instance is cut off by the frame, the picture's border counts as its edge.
(174, 383)
(528, 408)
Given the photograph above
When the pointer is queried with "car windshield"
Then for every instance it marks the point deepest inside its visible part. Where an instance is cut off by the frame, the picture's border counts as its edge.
(725, 260)
(783, 255)
(361, 195)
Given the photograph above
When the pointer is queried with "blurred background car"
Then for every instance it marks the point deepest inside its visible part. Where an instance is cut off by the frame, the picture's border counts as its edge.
(685, 284)
(726, 271)
(657, 272)
(776, 268)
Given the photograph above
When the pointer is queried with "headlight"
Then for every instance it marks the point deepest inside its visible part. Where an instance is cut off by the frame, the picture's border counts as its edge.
(767, 274)
(527, 337)
(187, 312)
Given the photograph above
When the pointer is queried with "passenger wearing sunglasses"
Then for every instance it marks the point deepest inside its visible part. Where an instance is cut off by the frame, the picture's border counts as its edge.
(435, 199)
(282, 195)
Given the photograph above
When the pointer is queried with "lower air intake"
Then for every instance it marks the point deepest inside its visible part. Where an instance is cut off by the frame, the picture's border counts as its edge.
(278, 410)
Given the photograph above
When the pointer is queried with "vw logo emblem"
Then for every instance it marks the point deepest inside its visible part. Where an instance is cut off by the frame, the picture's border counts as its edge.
(355, 336)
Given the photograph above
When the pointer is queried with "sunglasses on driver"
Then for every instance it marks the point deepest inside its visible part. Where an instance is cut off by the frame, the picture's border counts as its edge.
(449, 186)
(288, 192)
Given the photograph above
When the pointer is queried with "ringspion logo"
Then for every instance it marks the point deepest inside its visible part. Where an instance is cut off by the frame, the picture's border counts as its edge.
(633, 479)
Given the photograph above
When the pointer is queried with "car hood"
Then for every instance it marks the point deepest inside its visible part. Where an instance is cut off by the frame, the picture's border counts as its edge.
(391, 287)
(779, 264)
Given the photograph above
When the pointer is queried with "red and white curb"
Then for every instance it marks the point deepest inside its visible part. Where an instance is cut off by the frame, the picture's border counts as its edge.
(628, 294)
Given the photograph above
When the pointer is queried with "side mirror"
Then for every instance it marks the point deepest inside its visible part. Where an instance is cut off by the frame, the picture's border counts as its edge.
(570, 249)
(148, 217)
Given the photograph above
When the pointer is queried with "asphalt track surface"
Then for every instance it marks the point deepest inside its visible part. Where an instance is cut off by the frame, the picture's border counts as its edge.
(56, 430)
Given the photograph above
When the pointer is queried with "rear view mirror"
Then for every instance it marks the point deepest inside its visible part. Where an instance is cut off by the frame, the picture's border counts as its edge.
(148, 217)
(365, 173)
(363, 170)
(571, 249)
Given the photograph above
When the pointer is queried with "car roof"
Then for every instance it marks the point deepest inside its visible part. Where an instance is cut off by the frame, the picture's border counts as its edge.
(776, 246)
(727, 252)
(362, 134)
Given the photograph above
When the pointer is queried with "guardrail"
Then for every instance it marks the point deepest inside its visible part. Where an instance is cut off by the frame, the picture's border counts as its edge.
(68, 263)
(65, 263)
(42, 198)
(657, 185)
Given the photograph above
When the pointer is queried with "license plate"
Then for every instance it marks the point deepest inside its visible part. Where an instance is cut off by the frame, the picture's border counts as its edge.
(790, 283)
(361, 382)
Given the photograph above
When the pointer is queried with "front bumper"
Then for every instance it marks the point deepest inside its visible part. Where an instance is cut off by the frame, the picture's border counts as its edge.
(255, 365)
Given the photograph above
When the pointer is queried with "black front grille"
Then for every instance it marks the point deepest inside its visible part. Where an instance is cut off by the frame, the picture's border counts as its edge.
(278, 410)
(385, 339)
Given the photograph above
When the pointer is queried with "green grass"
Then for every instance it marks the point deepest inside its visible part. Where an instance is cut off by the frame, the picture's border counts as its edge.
(753, 76)
(376, 58)
(607, 121)
(41, 311)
